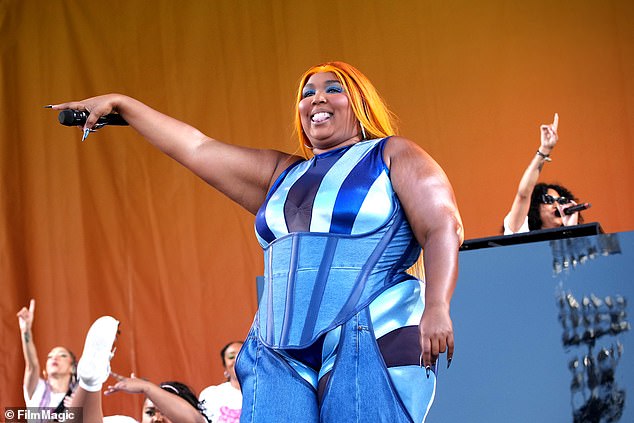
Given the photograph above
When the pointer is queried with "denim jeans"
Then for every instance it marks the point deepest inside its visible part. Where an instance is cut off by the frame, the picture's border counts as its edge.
(360, 387)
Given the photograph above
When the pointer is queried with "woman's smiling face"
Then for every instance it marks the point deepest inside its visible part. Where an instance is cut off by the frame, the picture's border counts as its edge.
(326, 114)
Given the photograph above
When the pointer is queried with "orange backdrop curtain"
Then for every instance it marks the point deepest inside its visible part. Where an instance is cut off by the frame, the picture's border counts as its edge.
(111, 226)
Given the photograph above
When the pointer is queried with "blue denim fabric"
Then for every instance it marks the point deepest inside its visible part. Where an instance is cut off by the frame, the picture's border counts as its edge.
(271, 390)
(360, 387)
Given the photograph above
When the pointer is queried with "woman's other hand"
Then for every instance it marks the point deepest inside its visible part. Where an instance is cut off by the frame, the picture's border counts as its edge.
(568, 219)
(436, 335)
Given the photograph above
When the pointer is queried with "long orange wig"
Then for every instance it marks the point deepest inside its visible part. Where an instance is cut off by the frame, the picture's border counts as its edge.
(367, 104)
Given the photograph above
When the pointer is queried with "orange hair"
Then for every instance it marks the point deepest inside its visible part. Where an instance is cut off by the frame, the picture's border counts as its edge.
(367, 104)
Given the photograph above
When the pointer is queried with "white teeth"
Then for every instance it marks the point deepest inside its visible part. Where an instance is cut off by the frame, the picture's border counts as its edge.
(320, 117)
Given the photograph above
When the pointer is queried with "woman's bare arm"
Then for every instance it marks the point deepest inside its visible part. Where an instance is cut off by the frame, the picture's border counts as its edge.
(243, 174)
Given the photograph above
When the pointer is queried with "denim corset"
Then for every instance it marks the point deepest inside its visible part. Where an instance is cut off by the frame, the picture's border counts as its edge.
(313, 282)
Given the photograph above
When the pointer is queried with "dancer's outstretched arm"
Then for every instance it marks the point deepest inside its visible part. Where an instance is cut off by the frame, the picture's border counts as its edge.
(170, 405)
(31, 363)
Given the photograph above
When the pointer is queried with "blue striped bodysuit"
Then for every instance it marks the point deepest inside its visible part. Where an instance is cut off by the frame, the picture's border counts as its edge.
(336, 245)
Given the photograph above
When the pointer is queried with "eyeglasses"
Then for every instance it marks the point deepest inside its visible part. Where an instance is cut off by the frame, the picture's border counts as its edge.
(549, 199)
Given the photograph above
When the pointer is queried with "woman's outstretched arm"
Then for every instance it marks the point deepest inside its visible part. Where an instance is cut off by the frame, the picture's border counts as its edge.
(243, 174)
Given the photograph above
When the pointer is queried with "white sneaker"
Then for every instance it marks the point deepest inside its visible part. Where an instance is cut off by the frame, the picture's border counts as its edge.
(94, 365)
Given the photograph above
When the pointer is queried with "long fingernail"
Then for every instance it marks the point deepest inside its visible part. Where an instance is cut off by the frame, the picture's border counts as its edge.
(427, 370)
(420, 361)
(86, 132)
(449, 361)
(48, 106)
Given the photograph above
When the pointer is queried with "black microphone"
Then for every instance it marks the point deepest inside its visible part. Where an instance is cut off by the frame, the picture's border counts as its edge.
(577, 208)
(78, 118)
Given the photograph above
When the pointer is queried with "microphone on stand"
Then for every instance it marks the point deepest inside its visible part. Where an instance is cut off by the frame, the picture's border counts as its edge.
(78, 118)
(577, 208)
